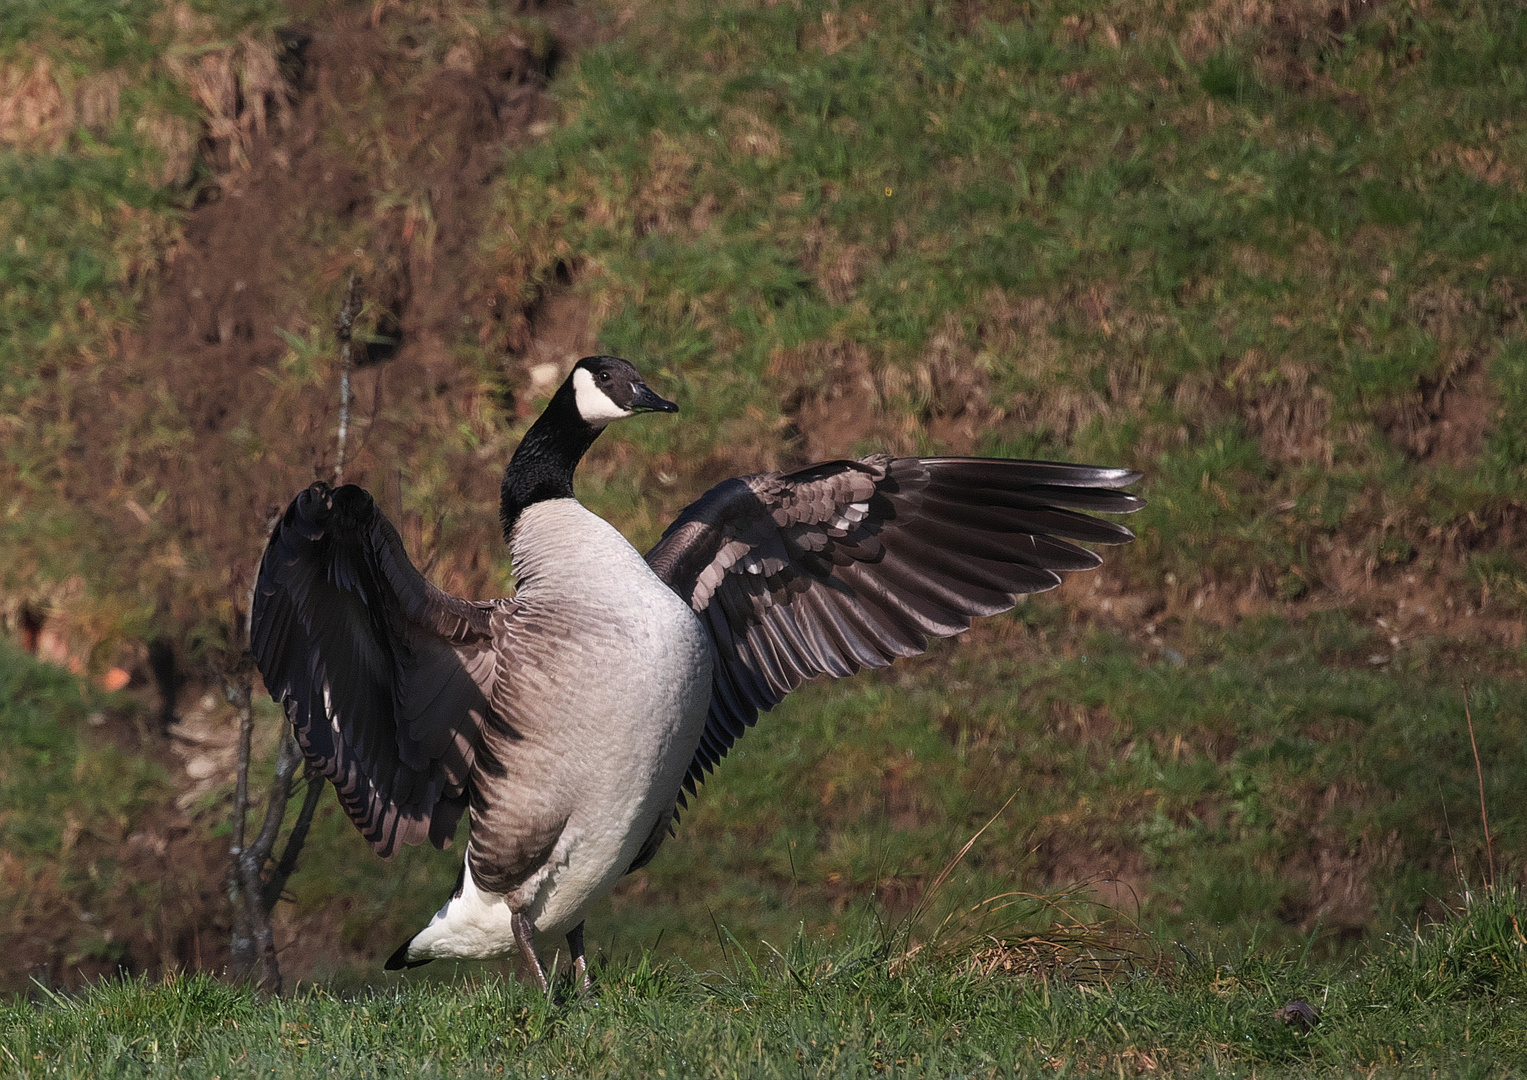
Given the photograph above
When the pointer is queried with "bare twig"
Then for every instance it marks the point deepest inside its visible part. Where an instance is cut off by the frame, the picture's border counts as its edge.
(344, 329)
(252, 865)
(1479, 772)
(276, 886)
(256, 880)
(237, 688)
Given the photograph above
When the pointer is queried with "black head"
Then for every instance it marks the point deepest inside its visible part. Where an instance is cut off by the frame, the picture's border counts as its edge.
(600, 389)
(607, 388)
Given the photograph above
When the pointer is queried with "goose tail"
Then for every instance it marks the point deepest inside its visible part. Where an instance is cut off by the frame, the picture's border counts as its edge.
(400, 960)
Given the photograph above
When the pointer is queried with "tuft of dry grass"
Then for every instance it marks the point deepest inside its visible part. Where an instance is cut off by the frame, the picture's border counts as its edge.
(1062, 934)
(34, 113)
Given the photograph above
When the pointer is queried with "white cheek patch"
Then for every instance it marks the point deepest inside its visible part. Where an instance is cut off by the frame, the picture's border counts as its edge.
(594, 405)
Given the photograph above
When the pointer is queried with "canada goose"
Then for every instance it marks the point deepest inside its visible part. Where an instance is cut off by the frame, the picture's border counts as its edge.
(574, 716)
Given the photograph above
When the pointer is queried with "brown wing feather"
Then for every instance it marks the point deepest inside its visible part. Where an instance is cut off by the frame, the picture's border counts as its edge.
(850, 564)
(387, 681)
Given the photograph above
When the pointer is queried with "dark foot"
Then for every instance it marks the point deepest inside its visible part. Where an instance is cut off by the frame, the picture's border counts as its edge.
(580, 964)
(524, 937)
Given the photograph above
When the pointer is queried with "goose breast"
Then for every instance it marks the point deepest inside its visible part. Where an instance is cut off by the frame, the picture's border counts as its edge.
(605, 688)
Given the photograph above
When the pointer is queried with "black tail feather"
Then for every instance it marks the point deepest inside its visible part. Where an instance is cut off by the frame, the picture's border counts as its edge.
(399, 959)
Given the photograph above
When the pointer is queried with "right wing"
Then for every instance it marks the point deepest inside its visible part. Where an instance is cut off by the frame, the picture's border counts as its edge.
(845, 565)
(387, 681)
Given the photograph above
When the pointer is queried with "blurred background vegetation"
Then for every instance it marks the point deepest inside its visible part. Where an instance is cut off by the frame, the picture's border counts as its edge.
(1270, 254)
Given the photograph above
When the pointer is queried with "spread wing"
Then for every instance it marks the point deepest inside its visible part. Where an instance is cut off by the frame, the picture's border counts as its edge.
(850, 564)
(387, 681)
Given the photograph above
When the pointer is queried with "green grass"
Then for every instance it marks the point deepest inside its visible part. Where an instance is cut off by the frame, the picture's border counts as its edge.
(69, 798)
(1276, 267)
(89, 207)
(1133, 248)
(1444, 1001)
(1263, 784)
(1255, 259)
(1268, 781)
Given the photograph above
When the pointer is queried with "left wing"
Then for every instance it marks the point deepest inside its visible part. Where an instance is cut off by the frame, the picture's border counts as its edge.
(387, 681)
(850, 564)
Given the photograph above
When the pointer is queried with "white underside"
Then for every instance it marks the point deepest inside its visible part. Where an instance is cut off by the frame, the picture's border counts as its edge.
(472, 925)
(616, 686)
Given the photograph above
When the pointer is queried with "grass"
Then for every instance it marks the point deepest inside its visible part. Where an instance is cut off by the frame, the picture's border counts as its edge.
(91, 200)
(1048, 235)
(70, 795)
(1268, 781)
(1184, 242)
(1276, 266)
(1442, 1001)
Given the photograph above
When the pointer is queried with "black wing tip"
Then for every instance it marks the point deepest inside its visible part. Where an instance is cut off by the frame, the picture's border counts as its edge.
(399, 960)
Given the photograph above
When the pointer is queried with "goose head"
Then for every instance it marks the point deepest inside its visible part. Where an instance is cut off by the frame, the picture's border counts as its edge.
(607, 388)
(598, 391)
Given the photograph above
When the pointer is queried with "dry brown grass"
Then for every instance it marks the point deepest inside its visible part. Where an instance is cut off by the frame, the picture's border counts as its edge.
(238, 85)
(34, 111)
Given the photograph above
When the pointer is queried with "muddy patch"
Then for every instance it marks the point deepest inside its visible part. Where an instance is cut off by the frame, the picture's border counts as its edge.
(372, 159)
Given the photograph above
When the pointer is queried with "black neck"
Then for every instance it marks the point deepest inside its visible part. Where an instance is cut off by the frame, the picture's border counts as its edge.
(542, 467)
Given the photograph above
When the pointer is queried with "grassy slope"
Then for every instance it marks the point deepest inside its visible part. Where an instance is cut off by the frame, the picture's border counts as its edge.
(91, 196)
(833, 231)
(82, 884)
(1273, 780)
(1256, 261)
(1442, 1003)
(1109, 234)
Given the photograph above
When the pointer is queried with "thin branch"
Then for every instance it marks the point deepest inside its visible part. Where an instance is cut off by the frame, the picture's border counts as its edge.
(1479, 772)
(252, 864)
(280, 791)
(236, 687)
(284, 869)
(253, 894)
(344, 328)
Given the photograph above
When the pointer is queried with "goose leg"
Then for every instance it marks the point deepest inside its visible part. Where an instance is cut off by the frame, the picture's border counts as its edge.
(580, 963)
(524, 937)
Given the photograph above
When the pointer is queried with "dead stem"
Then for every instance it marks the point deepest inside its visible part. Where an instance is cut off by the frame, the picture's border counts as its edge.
(1479, 774)
(344, 329)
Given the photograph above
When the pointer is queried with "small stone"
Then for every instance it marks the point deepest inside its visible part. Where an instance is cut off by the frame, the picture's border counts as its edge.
(544, 376)
(1299, 1014)
(201, 767)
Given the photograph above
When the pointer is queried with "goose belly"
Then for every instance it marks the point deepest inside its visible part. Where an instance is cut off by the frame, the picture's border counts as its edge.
(632, 748)
(610, 689)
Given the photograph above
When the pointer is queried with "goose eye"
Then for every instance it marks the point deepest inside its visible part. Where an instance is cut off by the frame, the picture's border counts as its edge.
(604, 376)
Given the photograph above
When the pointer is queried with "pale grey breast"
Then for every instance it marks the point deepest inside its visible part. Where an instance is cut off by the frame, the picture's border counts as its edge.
(604, 686)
